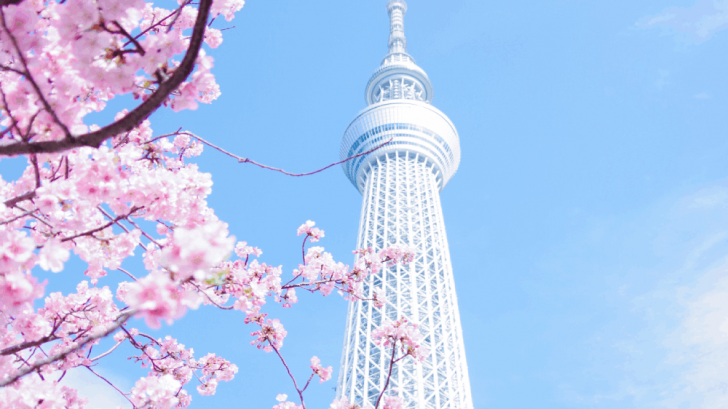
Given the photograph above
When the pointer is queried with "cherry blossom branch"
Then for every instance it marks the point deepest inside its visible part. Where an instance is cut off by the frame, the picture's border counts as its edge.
(177, 13)
(6, 2)
(5, 68)
(252, 162)
(389, 375)
(303, 249)
(25, 345)
(295, 384)
(133, 118)
(107, 352)
(130, 221)
(108, 216)
(230, 307)
(111, 384)
(139, 49)
(29, 212)
(106, 226)
(128, 273)
(38, 364)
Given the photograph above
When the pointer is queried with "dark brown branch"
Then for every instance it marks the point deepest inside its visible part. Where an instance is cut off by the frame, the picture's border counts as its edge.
(36, 171)
(25, 345)
(14, 201)
(136, 116)
(138, 46)
(11, 69)
(6, 2)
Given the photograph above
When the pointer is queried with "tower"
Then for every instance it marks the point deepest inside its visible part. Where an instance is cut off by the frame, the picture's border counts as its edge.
(401, 185)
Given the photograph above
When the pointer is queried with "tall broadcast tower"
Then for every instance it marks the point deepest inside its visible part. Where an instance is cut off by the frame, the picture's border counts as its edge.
(401, 184)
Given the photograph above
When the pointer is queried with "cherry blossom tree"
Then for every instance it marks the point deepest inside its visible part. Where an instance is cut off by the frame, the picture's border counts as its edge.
(94, 191)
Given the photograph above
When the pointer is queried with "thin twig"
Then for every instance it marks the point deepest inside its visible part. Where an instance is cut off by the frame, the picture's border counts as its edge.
(17, 217)
(295, 385)
(389, 376)
(252, 162)
(104, 227)
(112, 385)
(230, 307)
(127, 273)
(138, 46)
(101, 209)
(130, 221)
(107, 352)
(303, 249)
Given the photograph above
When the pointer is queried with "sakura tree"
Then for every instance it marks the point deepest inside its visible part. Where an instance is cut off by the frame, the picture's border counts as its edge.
(108, 193)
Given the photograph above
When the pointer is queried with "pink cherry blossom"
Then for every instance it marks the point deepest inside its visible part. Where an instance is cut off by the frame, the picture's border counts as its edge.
(157, 298)
(323, 373)
(213, 37)
(402, 334)
(52, 256)
(93, 206)
(314, 233)
(155, 392)
(287, 405)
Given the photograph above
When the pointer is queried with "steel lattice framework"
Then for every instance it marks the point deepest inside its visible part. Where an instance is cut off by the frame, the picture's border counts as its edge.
(401, 186)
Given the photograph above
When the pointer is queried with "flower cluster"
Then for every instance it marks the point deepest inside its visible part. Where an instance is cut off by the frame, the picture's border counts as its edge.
(270, 335)
(170, 363)
(31, 390)
(314, 234)
(59, 62)
(403, 334)
(389, 402)
(323, 373)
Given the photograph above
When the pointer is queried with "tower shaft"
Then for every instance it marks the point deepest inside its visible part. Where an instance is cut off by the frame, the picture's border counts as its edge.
(402, 205)
(401, 184)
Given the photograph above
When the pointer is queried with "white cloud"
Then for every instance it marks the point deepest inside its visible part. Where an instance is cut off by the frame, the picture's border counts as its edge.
(99, 393)
(669, 347)
(680, 359)
(702, 95)
(700, 344)
(695, 24)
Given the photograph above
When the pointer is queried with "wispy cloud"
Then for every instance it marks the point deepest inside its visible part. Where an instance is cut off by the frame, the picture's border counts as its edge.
(702, 95)
(669, 347)
(695, 24)
(686, 314)
(98, 392)
(700, 344)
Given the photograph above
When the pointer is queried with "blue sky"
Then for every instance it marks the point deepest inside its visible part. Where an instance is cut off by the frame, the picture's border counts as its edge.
(588, 221)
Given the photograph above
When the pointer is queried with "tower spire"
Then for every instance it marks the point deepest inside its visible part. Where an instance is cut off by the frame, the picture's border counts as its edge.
(397, 41)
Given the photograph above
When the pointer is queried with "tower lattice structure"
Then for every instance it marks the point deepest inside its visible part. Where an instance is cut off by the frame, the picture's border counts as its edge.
(401, 185)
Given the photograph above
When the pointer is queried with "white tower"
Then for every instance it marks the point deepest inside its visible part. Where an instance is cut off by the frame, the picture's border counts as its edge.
(401, 184)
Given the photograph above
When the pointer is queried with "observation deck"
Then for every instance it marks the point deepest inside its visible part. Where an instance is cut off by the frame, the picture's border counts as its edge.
(399, 95)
